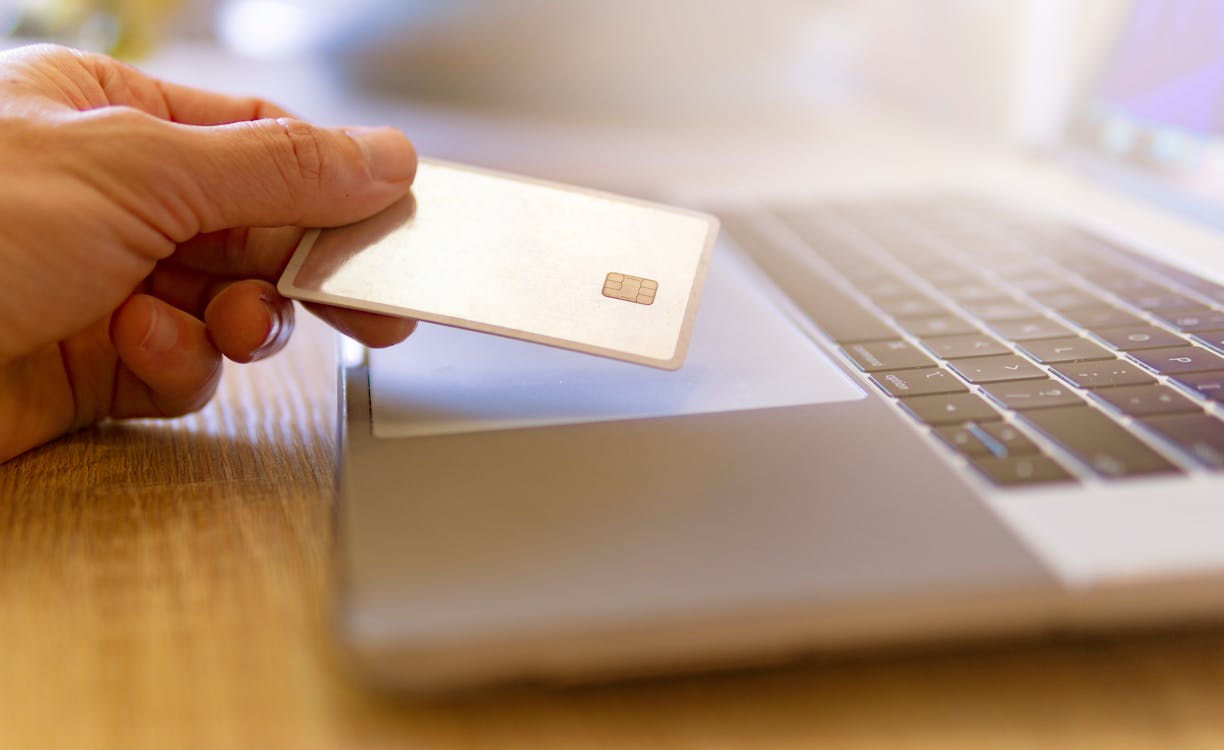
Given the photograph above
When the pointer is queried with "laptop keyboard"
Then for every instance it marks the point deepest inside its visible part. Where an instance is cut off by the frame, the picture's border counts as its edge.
(1035, 350)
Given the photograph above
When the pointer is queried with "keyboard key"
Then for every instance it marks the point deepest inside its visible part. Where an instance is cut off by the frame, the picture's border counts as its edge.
(1061, 286)
(967, 440)
(843, 256)
(860, 270)
(912, 256)
(1208, 289)
(1135, 338)
(1206, 384)
(925, 382)
(911, 306)
(1213, 339)
(969, 345)
(1068, 299)
(1184, 278)
(1199, 436)
(1022, 470)
(993, 247)
(1029, 329)
(936, 325)
(1005, 310)
(886, 355)
(1022, 395)
(1127, 284)
(995, 369)
(1146, 400)
(1179, 359)
(976, 293)
(1036, 283)
(1054, 351)
(1102, 374)
(949, 408)
(945, 275)
(839, 315)
(819, 226)
(1194, 320)
(866, 273)
(1004, 439)
(1160, 301)
(1095, 318)
(886, 287)
(986, 439)
(842, 318)
(1086, 261)
(1098, 441)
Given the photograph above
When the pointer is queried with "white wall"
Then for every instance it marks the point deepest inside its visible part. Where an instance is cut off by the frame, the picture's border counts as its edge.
(1005, 67)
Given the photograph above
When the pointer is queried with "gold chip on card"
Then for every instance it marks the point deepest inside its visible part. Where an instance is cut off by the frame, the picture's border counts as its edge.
(630, 288)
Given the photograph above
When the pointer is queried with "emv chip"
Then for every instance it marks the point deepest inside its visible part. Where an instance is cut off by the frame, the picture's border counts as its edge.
(630, 288)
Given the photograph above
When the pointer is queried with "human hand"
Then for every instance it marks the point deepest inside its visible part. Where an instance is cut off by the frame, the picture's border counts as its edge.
(142, 225)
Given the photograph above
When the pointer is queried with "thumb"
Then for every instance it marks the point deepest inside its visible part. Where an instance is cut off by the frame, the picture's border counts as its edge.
(279, 172)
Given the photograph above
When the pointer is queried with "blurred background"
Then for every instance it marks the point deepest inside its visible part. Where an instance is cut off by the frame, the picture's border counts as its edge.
(667, 73)
(964, 58)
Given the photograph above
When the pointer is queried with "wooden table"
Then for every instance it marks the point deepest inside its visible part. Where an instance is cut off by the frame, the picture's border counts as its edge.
(165, 585)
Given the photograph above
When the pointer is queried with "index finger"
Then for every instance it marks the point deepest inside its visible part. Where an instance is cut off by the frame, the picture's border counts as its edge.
(125, 85)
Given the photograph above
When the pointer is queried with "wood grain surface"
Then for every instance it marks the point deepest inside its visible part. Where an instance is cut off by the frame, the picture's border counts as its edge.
(165, 585)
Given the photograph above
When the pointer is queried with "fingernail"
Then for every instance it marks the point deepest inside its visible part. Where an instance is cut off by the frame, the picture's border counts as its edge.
(162, 333)
(388, 153)
(273, 331)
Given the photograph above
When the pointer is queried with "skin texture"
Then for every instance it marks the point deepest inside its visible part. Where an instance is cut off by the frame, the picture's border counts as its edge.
(142, 225)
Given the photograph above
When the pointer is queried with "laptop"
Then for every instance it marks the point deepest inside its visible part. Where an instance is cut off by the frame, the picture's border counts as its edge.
(935, 391)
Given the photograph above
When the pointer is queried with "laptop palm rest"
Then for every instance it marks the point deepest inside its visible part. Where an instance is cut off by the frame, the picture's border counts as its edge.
(472, 553)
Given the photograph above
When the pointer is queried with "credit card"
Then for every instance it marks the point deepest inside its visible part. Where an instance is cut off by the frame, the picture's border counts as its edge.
(554, 264)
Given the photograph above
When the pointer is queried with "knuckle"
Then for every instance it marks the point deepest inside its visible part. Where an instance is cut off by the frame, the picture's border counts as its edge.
(301, 151)
(116, 148)
(48, 53)
(51, 51)
(123, 118)
(109, 132)
(119, 141)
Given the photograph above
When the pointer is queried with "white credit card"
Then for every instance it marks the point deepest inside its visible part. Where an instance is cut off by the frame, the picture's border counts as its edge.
(549, 263)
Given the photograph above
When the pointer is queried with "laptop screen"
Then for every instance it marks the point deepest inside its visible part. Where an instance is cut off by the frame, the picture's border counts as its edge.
(1158, 102)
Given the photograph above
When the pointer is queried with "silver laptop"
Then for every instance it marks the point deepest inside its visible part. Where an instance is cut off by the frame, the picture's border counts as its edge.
(934, 391)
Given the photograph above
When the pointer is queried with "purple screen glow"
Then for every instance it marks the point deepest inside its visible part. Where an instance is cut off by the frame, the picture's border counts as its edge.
(1168, 67)
(1159, 103)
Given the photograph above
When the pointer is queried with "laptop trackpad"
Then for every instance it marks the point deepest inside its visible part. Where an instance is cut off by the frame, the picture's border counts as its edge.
(746, 353)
